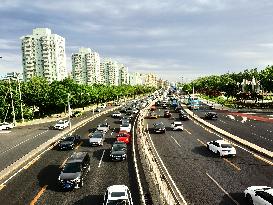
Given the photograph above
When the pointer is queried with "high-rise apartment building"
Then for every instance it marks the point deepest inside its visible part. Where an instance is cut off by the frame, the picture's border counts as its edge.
(150, 79)
(123, 75)
(111, 72)
(135, 78)
(43, 55)
(86, 66)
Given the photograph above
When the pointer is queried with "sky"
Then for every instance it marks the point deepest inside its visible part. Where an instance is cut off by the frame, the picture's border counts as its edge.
(179, 40)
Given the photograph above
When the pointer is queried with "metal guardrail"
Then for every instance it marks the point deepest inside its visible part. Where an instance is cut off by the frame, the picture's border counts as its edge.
(165, 187)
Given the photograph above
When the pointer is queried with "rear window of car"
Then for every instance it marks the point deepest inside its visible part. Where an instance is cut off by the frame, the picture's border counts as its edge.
(72, 167)
(117, 194)
(226, 146)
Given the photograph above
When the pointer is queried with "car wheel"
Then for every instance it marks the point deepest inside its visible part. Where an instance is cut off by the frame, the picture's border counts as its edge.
(208, 147)
(249, 199)
(89, 168)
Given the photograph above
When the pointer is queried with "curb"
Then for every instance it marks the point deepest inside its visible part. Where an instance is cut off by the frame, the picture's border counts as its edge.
(246, 143)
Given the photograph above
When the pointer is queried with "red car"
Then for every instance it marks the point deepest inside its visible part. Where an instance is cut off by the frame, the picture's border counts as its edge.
(153, 108)
(167, 113)
(124, 136)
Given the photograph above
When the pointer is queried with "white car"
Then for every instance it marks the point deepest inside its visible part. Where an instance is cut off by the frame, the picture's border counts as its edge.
(104, 127)
(118, 194)
(177, 125)
(221, 147)
(125, 126)
(259, 195)
(6, 126)
(61, 124)
(116, 115)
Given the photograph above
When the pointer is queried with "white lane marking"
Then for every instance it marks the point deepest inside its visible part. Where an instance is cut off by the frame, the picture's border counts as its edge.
(101, 158)
(176, 188)
(5, 131)
(187, 131)
(176, 141)
(106, 119)
(23, 142)
(236, 202)
(231, 117)
(244, 119)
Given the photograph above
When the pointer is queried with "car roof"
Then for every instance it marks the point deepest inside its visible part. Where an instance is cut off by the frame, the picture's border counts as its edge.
(76, 157)
(177, 122)
(222, 142)
(270, 191)
(117, 188)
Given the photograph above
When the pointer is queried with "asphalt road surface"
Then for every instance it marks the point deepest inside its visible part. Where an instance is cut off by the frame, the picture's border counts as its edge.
(38, 183)
(201, 176)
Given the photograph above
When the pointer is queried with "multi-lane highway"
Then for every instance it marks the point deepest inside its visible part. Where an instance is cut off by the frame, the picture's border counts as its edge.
(202, 177)
(38, 182)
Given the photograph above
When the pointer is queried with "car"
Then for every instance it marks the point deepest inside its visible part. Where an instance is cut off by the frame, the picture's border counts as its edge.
(123, 136)
(6, 126)
(183, 116)
(96, 138)
(76, 114)
(62, 124)
(118, 194)
(116, 115)
(159, 127)
(69, 142)
(211, 116)
(103, 105)
(125, 120)
(167, 114)
(221, 147)
(176, 125)
(152, 115)
(126, 127)
(98, 109)
(123, 110)
(178, 109)
(74, 171)
(118, 151)
(104, 127)
(164, 106)
(257, 195)
(135, 110)
(129, 115)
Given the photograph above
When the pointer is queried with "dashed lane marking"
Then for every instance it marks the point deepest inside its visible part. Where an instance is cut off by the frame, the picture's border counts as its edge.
(201, 142)
(4, 132)
(101, 158)
(232, 164)
(62, 165)
(176, 141)
(236, 202)
(38, 195)
(79, 145)
(32, 162)
(187, 131)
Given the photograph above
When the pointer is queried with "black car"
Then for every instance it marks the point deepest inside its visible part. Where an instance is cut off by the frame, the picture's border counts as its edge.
(164, 106)
(69, 142)
(183, 116)
(211, 116)
(159, 127)
(123, 110)
(178, 109)
(118, 151)
(74, 171)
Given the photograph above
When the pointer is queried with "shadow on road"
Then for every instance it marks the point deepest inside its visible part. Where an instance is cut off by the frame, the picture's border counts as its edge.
(202, 150)
(90, 200)
(49, 176)
(85, 143)
(239, 197)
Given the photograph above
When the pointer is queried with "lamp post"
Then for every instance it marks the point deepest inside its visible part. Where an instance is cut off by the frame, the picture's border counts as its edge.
(20, 96)
(69, 111)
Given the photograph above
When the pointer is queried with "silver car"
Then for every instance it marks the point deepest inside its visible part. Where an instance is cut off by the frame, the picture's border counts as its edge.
(96, 138)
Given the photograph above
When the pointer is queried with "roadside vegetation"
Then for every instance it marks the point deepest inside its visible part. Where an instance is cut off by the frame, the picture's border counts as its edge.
(40, 98)
(236, 89)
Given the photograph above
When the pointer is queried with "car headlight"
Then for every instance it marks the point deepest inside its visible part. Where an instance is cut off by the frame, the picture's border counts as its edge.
(124, 155)
(76, 179)
(111, 155)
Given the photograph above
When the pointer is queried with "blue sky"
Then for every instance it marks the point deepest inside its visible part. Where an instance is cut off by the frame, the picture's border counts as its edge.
(174, 38)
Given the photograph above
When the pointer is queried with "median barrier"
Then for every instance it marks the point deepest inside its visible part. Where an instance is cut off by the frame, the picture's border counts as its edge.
(17, 165)
(163, 187)
(246, 143)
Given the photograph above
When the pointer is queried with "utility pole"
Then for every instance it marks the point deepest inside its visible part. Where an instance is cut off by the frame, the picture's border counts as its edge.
(68, 105)
(12, 105)
(20, 94)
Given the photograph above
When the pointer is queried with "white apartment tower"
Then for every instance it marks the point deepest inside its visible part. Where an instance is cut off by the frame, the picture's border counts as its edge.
(86, 66)
(111, 72)
(135, 79)
(123, 75)
(43, 55)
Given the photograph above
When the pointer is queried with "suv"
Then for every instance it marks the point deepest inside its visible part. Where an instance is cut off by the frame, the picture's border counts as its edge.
(118, 151)
(159, 127)
(61, 124)
(75, 170)
(211, 116)
(118, 194)
(69, 142)
(177, 125)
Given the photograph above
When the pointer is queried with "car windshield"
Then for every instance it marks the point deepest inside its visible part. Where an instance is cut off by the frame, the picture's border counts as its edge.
(118, 202)
(125, 125)
(226, 146)
(103, 125)
(72, 167)
(117, 147)
(97, 135)
(69, 139)
(61, 122)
